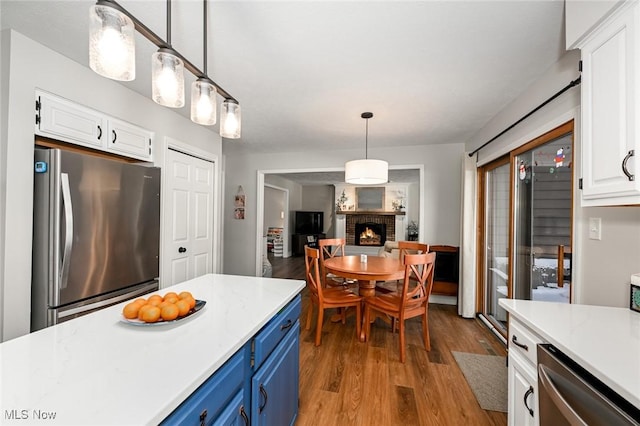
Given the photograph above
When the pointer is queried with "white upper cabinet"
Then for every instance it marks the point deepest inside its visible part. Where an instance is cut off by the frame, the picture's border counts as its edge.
(610, 104)
(129, 140)
(63, 120)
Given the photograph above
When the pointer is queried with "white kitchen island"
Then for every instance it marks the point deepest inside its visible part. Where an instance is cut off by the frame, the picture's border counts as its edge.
(603, 340)
(97, 369)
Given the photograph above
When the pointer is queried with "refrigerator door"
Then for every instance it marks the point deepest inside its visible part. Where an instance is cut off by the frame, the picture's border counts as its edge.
(103, 220)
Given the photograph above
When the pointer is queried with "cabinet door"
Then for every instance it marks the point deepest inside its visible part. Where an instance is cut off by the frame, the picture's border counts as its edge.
(523, 400)
(609, 109)
(234, 414)
(64, 120)
(129, 140)
(274, 387)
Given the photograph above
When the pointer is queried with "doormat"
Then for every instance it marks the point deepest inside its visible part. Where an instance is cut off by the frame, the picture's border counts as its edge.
(487, 378)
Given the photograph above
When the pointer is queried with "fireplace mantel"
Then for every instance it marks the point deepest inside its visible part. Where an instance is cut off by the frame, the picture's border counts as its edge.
(365, 212)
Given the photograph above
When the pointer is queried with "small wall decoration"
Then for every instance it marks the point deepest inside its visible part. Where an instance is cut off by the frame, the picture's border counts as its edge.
(634, 302)
(240, 200)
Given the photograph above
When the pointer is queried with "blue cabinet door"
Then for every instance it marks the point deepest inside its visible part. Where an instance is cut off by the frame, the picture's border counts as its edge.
(274, 387)
(234, 414)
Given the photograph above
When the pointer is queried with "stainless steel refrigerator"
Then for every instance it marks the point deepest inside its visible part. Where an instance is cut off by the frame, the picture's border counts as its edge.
(96, 234)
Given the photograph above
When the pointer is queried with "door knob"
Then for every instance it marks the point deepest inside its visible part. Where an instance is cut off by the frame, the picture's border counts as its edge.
(182, 250)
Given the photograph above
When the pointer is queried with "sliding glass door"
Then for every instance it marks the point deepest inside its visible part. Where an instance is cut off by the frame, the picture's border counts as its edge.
(542, 219)
(526, 221)
(495, 179)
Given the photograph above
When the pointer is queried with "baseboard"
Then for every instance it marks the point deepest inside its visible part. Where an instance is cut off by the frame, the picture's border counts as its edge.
(443, 300)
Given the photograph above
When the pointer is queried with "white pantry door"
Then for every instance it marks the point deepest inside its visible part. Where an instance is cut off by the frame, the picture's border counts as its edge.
(189, 222)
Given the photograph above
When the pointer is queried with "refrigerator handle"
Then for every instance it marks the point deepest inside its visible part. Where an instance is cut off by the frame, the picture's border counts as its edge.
(68, 237)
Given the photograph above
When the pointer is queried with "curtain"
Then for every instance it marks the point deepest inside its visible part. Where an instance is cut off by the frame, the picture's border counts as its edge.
(467, 286)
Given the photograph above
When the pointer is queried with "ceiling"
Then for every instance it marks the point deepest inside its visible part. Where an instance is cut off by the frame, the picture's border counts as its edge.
(432, 72)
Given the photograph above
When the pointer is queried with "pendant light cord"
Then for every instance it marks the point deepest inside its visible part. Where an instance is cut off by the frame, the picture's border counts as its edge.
(204, 36)
(366, 140)
(169, 22)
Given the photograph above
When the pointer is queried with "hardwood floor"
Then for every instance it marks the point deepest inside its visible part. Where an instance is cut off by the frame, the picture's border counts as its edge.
(346, 382)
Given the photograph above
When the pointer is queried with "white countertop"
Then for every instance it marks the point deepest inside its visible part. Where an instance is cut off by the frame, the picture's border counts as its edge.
(98, 370)
(603, 340)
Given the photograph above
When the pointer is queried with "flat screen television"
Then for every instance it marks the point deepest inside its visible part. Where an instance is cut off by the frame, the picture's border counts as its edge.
(309, 222)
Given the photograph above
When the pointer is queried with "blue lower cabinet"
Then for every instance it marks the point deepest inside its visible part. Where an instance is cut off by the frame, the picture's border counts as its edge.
(257, 386)
(274, 386)
(213, 396)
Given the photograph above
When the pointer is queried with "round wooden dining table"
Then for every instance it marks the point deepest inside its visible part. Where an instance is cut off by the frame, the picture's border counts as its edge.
(376, 268)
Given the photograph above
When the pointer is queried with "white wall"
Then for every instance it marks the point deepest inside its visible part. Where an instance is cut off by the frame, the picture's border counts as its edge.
(602, 269)
(581, 16)
(442, 191)
(26, 66)
(273, 207)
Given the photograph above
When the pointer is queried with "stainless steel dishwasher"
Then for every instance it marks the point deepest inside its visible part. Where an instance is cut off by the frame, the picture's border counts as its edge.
(570, 395)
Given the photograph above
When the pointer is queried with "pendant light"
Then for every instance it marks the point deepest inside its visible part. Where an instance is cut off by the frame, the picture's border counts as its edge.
(112, 52)
(167, 73)
(230, 120)
(203, 92)
(367, 171)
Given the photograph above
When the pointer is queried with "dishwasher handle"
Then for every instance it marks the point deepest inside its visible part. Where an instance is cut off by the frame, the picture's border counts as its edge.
(560, 403)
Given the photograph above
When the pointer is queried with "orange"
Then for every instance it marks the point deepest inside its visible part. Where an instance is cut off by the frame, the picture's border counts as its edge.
(143, 309)
(140, 301)
(150, 315)
(183, 306)
(192, 302)
(171, 299)
(170, 295)
(169, 312)
(130, 310)
(164, 303)
(184, 295)
(154, 297)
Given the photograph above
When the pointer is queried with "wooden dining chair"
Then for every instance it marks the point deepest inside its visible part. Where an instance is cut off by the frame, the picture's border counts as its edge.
(404, 248)
(413, 300)
(325, 298)
(331, 247)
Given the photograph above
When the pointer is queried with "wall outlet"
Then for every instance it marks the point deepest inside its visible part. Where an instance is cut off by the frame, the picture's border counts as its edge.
(595, 228)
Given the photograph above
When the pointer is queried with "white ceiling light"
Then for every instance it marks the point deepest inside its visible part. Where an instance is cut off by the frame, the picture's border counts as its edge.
(112, 50)
(230, 120)
(203, 92)
(367, 171)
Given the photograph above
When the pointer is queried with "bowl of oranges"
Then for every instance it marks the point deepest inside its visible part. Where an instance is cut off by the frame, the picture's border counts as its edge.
(157, 309)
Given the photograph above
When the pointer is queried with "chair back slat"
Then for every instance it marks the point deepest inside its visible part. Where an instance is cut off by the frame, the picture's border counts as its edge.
(418, 279)
(411, 247)
(329, 248)
(312, 270)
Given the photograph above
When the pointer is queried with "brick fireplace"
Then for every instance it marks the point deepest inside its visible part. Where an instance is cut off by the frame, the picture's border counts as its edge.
(388, 220)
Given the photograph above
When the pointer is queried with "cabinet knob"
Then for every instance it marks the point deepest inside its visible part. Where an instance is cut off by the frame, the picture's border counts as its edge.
(182, 250)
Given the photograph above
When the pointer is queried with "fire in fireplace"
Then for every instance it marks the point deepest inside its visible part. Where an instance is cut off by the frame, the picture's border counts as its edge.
(370, 234)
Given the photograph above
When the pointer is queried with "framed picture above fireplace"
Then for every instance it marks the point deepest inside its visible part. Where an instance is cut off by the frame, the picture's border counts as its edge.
(370, 198)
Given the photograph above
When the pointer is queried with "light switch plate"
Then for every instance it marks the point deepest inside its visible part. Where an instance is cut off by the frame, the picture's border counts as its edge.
(595, 228)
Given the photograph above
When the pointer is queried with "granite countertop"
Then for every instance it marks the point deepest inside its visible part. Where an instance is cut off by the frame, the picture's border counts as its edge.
(97, 369)
(603, 340)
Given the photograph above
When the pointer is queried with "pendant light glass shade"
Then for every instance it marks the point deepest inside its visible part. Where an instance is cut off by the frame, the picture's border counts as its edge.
(203, 102)
(167, 79)
(366, 172)
(230, 120)
(112, 52)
